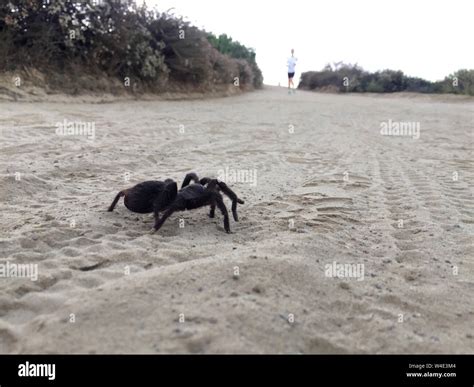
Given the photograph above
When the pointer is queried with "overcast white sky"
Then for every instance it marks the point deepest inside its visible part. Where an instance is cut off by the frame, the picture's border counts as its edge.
(425, 38)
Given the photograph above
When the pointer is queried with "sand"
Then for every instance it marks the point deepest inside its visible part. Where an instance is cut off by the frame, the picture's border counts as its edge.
(329, 189)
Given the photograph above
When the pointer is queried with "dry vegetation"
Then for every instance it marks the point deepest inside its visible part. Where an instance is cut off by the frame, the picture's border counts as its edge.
(353, 78)
(80, 47)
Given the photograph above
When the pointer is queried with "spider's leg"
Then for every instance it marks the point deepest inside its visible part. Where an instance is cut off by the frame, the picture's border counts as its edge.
(204, 180)
(166, 215)
(190, 176)
(114, 203)
(156, 210)
(232, 196)
(166, 197)
(220, 203)
(211, 184)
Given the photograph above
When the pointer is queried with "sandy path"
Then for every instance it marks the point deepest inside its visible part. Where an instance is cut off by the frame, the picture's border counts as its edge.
(329, 188)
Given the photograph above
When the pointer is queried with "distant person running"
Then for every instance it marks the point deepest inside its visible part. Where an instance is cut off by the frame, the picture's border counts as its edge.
(291, 63)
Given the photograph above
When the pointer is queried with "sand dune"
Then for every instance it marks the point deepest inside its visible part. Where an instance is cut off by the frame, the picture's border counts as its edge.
(329, 188)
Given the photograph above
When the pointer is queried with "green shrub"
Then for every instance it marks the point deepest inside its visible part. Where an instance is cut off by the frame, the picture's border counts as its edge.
(461, 82)
(118, 39)
(352, 78)
(227, 46)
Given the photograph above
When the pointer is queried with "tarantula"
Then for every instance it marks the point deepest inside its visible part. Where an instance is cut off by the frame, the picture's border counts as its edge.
(163, 196)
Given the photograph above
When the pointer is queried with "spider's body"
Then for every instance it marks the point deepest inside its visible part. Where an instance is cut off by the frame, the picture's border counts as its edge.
(141, 197)
(158, 196)
(191, 197)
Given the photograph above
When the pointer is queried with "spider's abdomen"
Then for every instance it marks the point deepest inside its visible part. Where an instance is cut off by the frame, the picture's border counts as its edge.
(140, 198)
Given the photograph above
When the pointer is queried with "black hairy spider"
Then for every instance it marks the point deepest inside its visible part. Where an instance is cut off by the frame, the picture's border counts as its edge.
(141, 198)
(163, 196)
